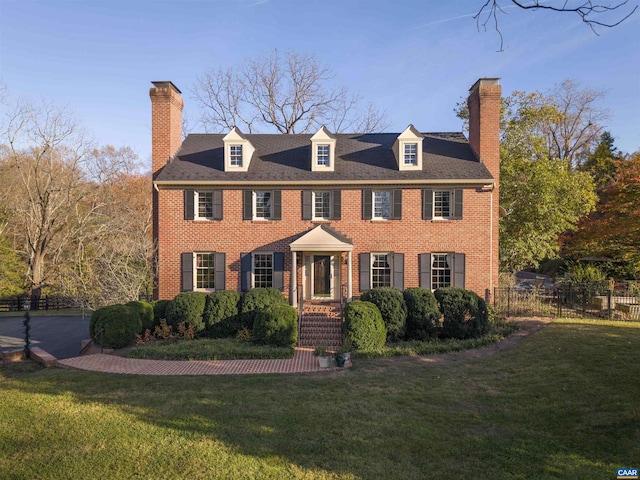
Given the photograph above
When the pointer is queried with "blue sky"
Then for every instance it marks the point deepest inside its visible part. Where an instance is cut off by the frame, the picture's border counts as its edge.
(414, 59)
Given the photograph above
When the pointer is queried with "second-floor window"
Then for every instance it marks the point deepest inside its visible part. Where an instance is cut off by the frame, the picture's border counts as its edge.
(382, 205)
(321, 205)
(205, 205)
(322, 156)
(441, 204)
(235, 155)
(262, 205)
(410, 153)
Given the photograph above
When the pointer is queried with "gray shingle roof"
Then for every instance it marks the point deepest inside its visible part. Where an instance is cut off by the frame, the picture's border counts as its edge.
(359, 157)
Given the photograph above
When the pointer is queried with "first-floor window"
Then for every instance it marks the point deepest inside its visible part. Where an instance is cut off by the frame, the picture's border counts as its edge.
(205, 271)
(380, 270)
(440, 271)
(262, 270)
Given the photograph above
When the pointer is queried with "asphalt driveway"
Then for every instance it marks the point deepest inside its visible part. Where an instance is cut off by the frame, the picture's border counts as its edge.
(59, 336)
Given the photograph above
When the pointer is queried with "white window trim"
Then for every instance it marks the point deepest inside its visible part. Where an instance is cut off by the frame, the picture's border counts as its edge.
(195, 272)
(313, 206)
(196, 205)
(431, 269)
(413, 162)
(322, 138)
(253, 267)
(254, 206)
(389, 260)
(231, 155)
(410, 136)
(373, 206)
(328, 155)
(236, 138)
(451, 205)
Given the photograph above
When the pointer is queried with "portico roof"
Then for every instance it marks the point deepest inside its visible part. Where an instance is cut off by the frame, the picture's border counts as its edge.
(321, 239)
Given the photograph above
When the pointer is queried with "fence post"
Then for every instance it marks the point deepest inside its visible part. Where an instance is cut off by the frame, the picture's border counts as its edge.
(559, 294)
(609, 294)
(508, 301)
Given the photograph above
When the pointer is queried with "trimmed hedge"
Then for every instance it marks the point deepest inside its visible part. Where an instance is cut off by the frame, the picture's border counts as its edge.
(276, 325)
(465, 313)
(258, 299)
(364, 327)
(423, 315)
(160, 310)
(121, 324)
(221, 314)
(187, 308)
(391, 304)
(145, 312)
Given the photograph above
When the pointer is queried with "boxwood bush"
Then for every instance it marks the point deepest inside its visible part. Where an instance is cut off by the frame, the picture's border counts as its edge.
(258, 299)
(187, 308)
(276, 325)
(364, 327)
(423, 314)
(465, 314)
(160, 310)
(145, 312)
(121, 324)
(391, 304)
(221, 314)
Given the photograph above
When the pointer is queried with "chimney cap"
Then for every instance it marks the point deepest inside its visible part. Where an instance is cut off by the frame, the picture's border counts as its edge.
(166, 84)
(485, 82)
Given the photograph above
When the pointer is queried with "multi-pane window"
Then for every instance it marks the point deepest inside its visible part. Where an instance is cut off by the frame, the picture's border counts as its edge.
(262, 270)
(322, 205)
(235, 155)
(205, 204)
(441, 204)
(262, 205)
(410, 153)
(380, 270)
(382, 204)
(322, 155)
(440, 271)
(204, 271)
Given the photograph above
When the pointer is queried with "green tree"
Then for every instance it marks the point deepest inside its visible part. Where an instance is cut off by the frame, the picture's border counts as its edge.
(601, 164)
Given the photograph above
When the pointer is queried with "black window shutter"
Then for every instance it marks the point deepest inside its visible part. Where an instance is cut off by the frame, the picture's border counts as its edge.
(396, 197)
(277, 205)
(307, 198)
(217, 204)
(245, 271)
(278, 270)
(398, 270)
(365, 272)
(220, 269)
(458, 269)
(189, 211)
(337, 204)
(427, 204)
(425, 270)
(187, 272)
(457, 199)
(247, 205)
(367, 208)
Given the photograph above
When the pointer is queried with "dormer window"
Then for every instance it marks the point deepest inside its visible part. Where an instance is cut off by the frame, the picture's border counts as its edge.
(323, 150)
(235, 155)
(408, 149)
(237, 151)
(410, 153)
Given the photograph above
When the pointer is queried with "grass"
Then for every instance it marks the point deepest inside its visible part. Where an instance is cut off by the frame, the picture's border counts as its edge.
(63, 312)
(208, 349)
(562, 403)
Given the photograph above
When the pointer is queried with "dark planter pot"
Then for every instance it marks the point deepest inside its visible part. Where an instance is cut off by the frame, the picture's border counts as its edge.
(340, 361)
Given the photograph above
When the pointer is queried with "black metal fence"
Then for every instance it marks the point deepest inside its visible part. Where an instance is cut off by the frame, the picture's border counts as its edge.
(47, 302)
(592, 300)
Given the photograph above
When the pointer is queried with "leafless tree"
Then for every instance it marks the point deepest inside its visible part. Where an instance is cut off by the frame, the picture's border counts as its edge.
(593, 14)
(290, 94)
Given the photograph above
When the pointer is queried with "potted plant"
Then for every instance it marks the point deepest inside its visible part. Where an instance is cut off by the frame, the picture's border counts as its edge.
(324, 358)
(343, 354)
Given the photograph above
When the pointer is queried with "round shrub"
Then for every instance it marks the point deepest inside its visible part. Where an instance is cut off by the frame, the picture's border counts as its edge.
(423, 314)
(221, 314)
(391, 304)
(364, 327)
(160, 310)
(276, 325)
(187, 308)
(145, 312)
(465, 313)
(121, 324)
(258, 299)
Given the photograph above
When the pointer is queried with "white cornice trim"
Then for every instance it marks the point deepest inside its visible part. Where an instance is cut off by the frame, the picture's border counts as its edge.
(480, 182)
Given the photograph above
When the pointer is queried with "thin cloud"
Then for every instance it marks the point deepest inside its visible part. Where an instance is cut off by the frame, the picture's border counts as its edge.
(259, 2)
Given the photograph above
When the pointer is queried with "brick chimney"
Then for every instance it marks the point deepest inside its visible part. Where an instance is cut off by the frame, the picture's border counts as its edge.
(166, 123)
(484, 123)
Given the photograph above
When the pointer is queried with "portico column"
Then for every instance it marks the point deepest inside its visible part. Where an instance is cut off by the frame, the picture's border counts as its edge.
(294, 279)
(349, 277)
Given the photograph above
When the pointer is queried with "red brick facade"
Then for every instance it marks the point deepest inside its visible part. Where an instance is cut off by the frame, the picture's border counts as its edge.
(475, 235)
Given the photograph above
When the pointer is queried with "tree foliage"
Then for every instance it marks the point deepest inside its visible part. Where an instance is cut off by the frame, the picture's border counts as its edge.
(286, 94)
(601, 164)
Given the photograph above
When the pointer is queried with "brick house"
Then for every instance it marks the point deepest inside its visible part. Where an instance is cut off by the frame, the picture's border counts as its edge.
(324, 217)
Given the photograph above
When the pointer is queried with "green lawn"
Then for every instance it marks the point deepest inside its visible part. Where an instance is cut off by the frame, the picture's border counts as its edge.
(563, 403)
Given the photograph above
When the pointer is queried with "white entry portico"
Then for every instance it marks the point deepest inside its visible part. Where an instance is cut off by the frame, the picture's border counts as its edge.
(321, 252)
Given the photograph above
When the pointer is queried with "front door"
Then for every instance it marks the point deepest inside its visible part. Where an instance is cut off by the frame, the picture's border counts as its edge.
(321, 285)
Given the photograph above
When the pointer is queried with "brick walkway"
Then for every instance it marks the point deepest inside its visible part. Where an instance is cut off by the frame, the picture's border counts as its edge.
(302, 361)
